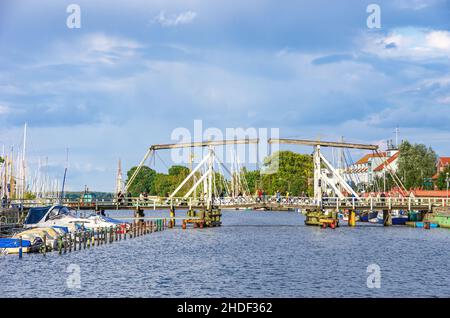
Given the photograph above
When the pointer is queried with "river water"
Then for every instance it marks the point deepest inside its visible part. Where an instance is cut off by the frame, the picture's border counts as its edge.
(254, 254)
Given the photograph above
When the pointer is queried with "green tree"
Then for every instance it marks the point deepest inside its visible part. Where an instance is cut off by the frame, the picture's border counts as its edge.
(163, 185)
(416, 162)
(143, 181)
(441, 181)
(253, 179)
(290, 172)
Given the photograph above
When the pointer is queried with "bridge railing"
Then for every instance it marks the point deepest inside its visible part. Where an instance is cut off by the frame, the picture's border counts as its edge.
(273, 201)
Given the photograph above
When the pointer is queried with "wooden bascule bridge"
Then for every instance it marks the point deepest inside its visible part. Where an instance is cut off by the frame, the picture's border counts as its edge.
(205, 209)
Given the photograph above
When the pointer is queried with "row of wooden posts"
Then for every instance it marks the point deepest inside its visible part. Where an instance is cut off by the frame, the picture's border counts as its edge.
(102, 236)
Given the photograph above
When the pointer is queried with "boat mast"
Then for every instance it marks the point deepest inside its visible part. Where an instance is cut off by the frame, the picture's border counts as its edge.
(65, 173)
(119, 177)
(23, 165)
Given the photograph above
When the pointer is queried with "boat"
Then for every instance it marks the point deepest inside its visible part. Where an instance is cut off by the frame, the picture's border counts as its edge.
(344, 217)
(36, 235)
(12, 246)
(64, 218)
(441, 216)
(367, 216)
(422, 224)
(397, 218)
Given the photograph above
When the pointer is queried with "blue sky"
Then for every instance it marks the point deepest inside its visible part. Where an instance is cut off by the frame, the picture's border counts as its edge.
(136, 70)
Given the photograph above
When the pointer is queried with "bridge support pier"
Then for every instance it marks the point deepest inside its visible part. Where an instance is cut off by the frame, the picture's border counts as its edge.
(387, 218)
(352, 218)
(139, 214)
(172, 216)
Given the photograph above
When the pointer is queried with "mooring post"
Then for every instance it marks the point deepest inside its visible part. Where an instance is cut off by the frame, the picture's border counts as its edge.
(352, 218)
(387, 220)
(20, 247)
(60, 244)
(172, 215)
(45, 244)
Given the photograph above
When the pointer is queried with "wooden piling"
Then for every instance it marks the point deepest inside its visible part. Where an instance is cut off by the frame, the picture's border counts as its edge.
(44, 251)
(20, 247)
(60, 244)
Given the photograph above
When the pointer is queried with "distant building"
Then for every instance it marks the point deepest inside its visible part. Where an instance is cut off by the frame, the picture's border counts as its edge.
(364, 171)
(442, 163)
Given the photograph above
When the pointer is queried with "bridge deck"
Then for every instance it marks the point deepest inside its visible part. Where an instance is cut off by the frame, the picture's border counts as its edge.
(268, 203)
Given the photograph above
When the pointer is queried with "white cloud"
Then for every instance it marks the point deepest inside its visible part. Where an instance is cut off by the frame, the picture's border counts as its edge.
(410, 43)
(174, 20)
(444, 100)
(439, 40)
(5, 109)
(416, 4)
(94, 48)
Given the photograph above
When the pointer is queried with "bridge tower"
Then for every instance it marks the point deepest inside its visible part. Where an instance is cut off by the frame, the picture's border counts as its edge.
(210, 214)
(325, 175)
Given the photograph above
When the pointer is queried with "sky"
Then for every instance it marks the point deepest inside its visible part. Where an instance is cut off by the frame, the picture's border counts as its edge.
(137, 70)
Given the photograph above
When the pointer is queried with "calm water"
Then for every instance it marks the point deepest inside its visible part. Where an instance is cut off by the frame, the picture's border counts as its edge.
(254, 254)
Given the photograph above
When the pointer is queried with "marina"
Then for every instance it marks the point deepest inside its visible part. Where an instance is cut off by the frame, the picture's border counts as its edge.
(214, 157)
(58, 224)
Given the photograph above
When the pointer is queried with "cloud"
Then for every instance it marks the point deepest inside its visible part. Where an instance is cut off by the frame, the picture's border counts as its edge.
(439, 40)
(416, 4)
(174, 19)
(91, 48)
(415, 44)
(4, 110)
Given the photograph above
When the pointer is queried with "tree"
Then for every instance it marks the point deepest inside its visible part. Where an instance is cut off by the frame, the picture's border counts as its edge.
(253, 179)
(290, 172)
(143, 181)
(178, 171)
(441, 181)
(163, 185)
(415, 164)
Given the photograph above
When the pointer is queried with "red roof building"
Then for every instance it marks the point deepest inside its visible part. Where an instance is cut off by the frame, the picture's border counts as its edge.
(442, 163)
